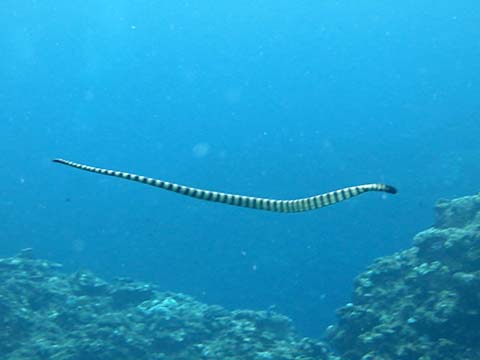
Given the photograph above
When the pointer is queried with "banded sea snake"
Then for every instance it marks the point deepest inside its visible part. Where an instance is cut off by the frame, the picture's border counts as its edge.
(286, 206)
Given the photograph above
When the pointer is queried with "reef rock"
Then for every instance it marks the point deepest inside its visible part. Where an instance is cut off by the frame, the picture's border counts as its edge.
(46, 314)
(422, 303)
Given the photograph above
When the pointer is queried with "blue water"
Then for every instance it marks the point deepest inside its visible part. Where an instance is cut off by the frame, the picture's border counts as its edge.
(279, 99)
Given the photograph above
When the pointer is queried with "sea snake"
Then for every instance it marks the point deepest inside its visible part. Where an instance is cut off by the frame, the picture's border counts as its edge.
(286, 206)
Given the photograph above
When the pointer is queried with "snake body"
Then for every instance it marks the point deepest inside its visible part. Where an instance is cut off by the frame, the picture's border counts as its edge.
(285, 206)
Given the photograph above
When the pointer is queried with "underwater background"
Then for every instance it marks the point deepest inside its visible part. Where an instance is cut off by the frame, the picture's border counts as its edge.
(276, 99)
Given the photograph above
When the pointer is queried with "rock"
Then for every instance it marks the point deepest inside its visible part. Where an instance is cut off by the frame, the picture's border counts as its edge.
(458, 212)
(46, 314)
(422, 303)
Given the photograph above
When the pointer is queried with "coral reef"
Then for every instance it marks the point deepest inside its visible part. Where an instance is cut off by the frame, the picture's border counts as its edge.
(422, 303)
(47, 314)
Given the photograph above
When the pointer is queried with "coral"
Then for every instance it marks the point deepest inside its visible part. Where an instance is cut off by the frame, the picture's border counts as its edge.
(47, 314)
(422, 303)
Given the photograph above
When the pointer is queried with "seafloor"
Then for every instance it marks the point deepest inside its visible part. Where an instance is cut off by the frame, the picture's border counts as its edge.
(420, 304)
(47, 314)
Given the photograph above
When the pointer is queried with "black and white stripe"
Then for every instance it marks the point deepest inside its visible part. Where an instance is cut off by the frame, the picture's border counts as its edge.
(287, 206)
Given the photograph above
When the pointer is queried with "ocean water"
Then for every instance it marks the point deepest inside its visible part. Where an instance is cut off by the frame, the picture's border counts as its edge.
(280, 99)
